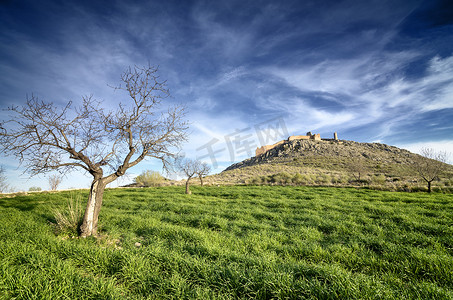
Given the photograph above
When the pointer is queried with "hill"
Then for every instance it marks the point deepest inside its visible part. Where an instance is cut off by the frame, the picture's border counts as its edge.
(331, 162)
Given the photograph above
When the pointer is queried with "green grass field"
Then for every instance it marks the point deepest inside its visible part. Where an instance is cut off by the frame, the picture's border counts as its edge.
(267, 242)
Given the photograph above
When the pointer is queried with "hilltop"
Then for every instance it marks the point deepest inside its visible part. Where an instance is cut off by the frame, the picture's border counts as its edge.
(331, 155)
(329, 162)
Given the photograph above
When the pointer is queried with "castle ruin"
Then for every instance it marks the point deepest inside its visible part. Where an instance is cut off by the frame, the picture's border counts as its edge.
(308, 136)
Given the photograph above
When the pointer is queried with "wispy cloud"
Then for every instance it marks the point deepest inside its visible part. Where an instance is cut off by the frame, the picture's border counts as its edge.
(368, 91)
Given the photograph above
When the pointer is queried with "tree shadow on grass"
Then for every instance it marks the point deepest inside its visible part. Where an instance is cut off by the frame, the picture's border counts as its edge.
(21, 203)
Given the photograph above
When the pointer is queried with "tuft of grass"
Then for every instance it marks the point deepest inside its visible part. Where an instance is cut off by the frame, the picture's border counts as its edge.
(69, 219)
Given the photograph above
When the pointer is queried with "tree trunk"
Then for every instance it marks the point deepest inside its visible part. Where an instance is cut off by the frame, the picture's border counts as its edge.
(187, 187)
(429, 186)
(90, 219)
(201, 180)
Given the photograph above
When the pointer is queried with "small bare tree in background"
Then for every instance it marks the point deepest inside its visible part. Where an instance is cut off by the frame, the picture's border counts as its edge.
(189, 168)
(4, 186)
(45, 137)
(357, 168)
(54, 181)
(430, 164)
(203, 169)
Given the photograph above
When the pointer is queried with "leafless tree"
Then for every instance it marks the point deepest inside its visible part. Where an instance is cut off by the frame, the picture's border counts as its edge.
(357, 168)
(430, 164)
(54, 181)
(4, 186)
(103, 143)
(189, 168)
(203, 169)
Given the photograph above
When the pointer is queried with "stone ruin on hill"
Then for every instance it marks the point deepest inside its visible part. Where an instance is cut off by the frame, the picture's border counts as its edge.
(308, 136)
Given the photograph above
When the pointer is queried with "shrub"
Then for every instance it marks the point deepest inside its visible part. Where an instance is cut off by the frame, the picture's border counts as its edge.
(379, 179)
(34, 189)
(355, 181)
(281, 178)
(419, 189)
(149, 178)
(324, 179)
(310, 179)
(266, 179)
(257, 180)
(339, 179)
(298, 179)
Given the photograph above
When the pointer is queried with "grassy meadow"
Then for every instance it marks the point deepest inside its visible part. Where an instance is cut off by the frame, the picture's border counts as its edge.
(232, 242)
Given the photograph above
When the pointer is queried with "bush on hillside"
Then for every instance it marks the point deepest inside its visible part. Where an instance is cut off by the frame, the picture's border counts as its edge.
(149, 179)
(323, 179)
(378, 179)
(298, 179)
(281, 178)
(257, 180)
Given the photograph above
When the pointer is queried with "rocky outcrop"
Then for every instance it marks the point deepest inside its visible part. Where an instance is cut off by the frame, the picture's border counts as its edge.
(308, 136)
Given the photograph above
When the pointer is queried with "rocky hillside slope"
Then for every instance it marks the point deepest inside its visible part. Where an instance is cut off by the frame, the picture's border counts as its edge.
(331, 154)
(329, 163)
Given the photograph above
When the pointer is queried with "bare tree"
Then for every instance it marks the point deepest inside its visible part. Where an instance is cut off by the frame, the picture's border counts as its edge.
(189, 168)
(203, 169)
(430, 165)
(45, 137)
(54, 181)
(357, 168)
(4, 186)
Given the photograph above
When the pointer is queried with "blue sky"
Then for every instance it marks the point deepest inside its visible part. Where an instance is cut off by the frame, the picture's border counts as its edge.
(249, 72)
